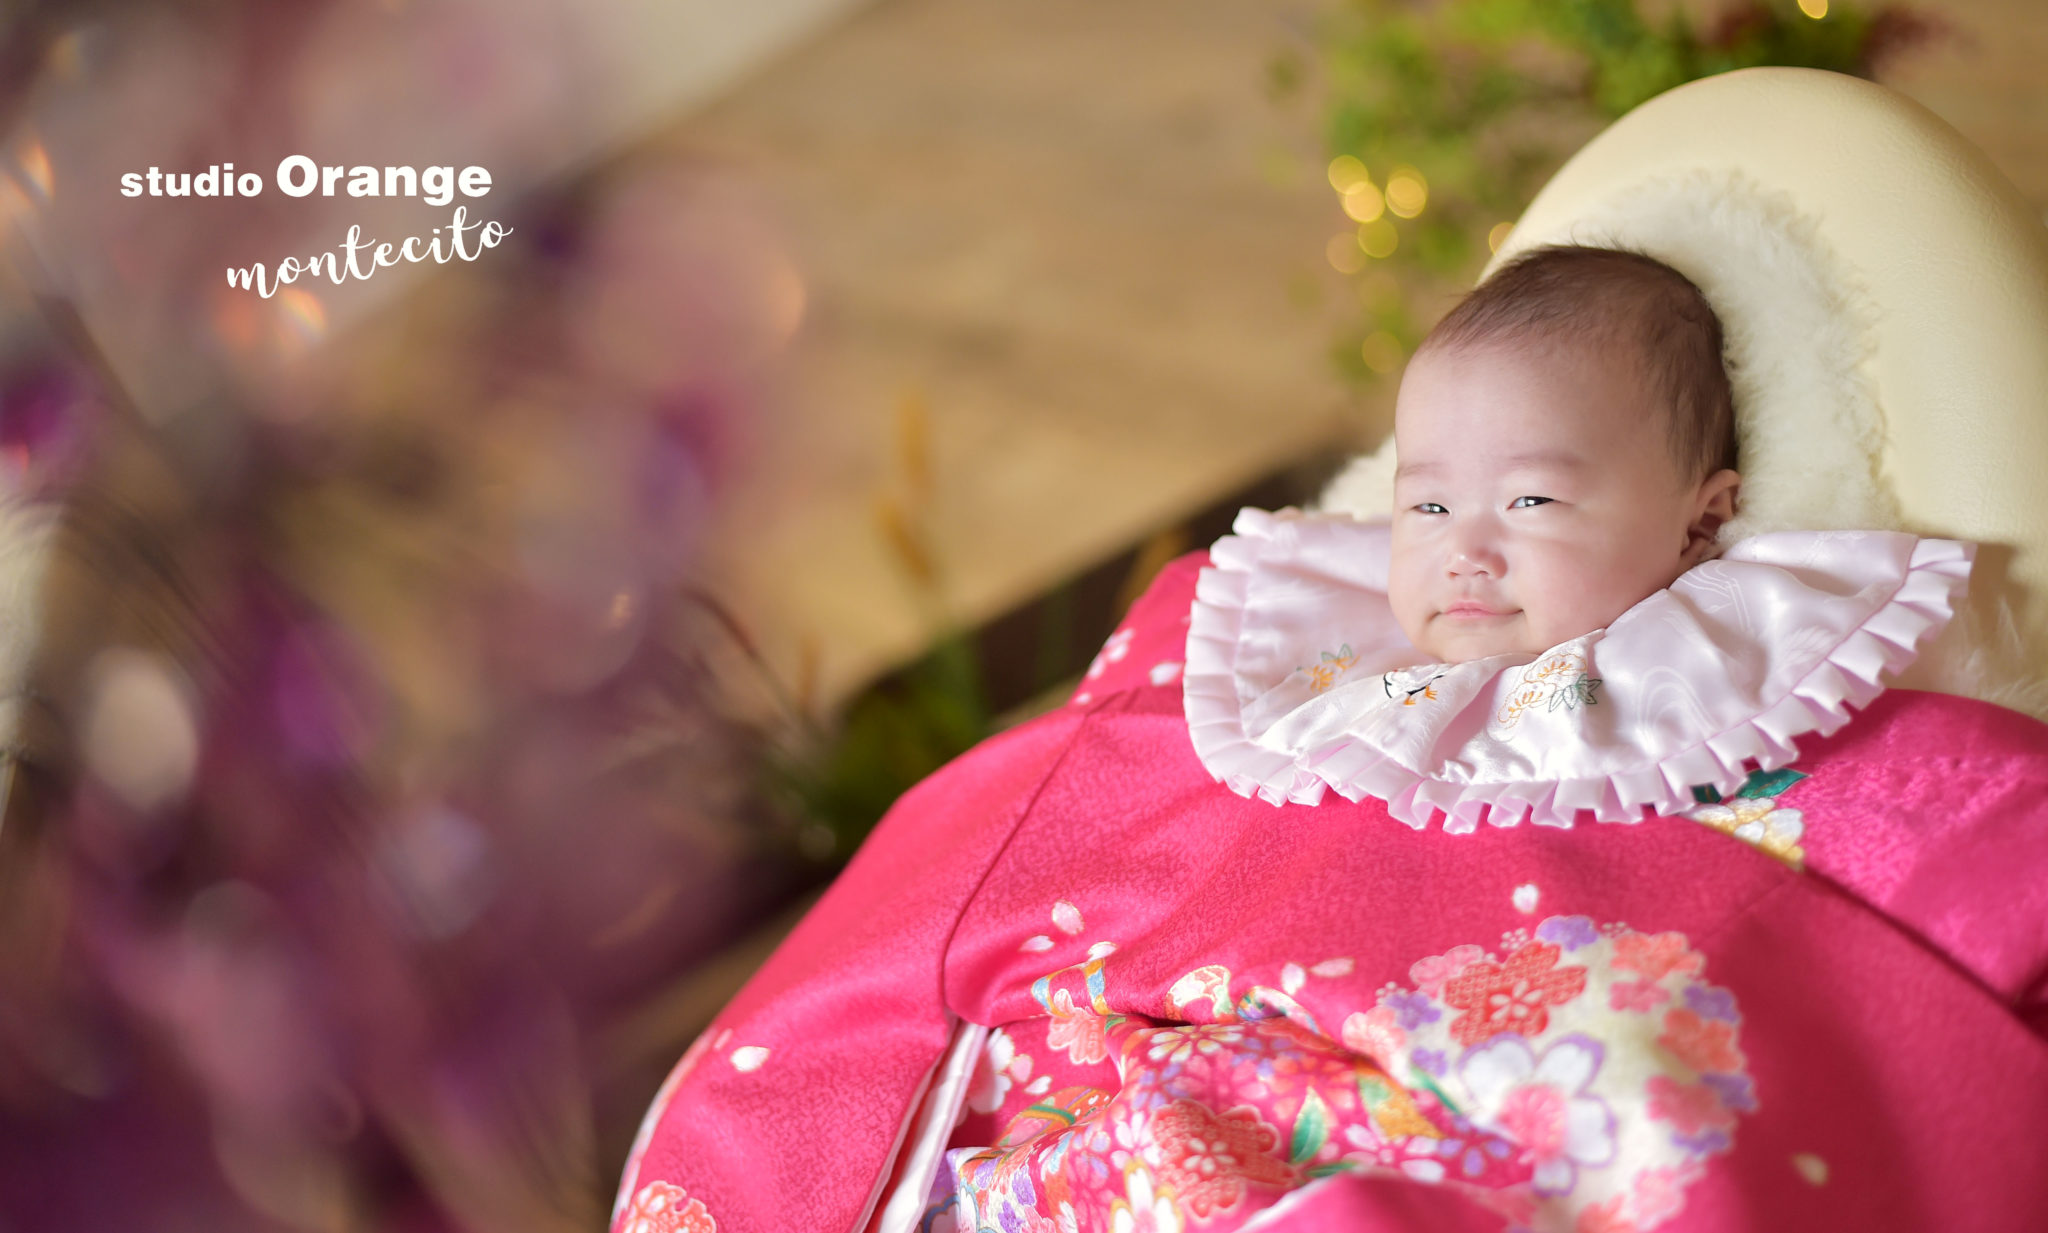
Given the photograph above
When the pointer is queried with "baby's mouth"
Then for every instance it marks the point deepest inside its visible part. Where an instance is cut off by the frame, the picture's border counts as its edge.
(1473, 610)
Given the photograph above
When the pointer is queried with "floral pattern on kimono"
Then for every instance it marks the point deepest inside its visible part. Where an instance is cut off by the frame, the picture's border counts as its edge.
(1577, 1079)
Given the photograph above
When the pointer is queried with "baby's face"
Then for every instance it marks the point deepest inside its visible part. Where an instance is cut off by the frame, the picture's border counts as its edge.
(1537, 498)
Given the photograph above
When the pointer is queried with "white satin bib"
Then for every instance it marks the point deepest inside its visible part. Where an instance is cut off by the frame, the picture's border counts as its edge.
(1299, 680)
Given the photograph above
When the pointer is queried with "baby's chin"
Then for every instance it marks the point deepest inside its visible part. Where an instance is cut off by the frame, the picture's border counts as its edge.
(1449, 641)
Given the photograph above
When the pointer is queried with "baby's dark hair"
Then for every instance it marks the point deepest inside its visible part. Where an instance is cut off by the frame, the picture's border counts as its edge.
(1575, 294)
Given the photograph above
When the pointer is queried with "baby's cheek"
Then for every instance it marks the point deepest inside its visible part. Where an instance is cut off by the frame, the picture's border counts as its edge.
(1405, 598)
(1576, 594)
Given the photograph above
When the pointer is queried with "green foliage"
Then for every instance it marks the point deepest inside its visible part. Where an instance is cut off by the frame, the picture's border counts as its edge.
(1481, 100)
(889, 738)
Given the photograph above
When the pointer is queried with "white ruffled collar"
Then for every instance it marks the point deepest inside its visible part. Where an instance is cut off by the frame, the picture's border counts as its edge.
(1299, 680)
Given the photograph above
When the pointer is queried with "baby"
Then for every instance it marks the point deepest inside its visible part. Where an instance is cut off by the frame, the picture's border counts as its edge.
(1072, 983)
(1567, 448)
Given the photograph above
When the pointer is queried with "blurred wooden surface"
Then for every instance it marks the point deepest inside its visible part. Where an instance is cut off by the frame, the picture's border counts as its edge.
(1066, 228)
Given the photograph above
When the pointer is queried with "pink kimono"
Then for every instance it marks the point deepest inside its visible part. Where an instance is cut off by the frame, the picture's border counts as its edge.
(1073, 982)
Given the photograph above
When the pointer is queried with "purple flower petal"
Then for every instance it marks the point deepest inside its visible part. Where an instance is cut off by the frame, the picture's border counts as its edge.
(1412, 1010)
(1737, 1092)
(1569, 932)
(1706, 1143)
(1711, 1003)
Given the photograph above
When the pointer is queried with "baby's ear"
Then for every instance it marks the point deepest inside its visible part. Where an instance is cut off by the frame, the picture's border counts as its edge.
(1714, 504)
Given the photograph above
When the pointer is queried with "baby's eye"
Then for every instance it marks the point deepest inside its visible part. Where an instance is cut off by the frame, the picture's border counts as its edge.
(1430, 507)
(1530, 502)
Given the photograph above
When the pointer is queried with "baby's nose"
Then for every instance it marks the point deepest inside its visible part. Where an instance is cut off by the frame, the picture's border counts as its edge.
(1475, 555)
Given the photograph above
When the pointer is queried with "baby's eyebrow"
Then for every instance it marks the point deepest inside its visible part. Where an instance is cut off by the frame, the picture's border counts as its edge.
(1560, 459)
(1564, 459)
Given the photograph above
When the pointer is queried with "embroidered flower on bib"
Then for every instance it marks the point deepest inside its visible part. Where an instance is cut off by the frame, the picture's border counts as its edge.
(1334, 664)
(1412, 685)
(1558, 681)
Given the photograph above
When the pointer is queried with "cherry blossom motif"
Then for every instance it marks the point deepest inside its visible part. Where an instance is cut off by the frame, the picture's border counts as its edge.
(1292, 977)
(1706, 1045)
(1660, 1193)
(1175, 1045)
(1606, 1217)
(1209, 1159)
(1118, 646)
(1430, 974)
(1001, 1067)
(1812, 1168)
(1570, 932)
(1641, 996)
(1066, 917)
(1165, 673)
(1029, 1221)
(1143, 1209)
(1512, 996)
(1374, 1034)
(662, 1207)
(1541, 1103)
(1077, 1033)
(1656, 955)
(1689, 1107)
(1412, 1010)
(1712, 1003)
(1342, 965)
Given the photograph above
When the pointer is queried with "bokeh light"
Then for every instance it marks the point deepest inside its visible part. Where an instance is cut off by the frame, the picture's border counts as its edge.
(33, 162)
(1346, 172)
(1407, 192)
(1379, 238)
(141, 732)
(1381, 352)
(302, 318)
(1364, 202)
